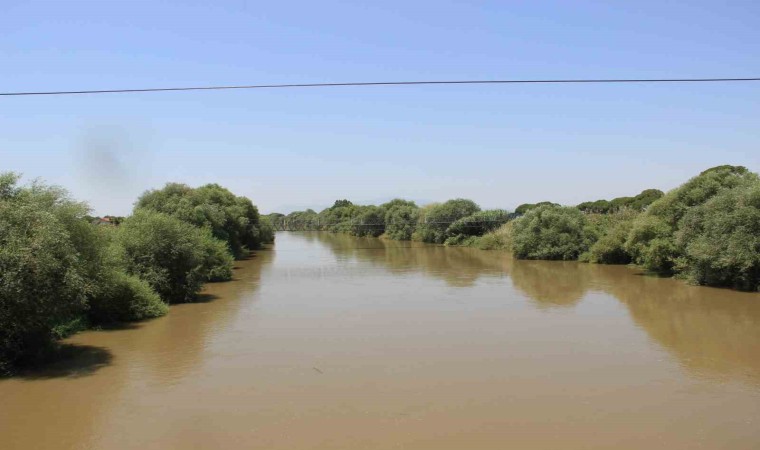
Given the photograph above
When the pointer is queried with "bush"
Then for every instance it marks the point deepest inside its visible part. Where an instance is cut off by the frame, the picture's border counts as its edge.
(652, 240)
(499, 239)
(369, 222)
(550, 232)
(637, 203)
(44, 279)
(476, 224)
(435, 219)
(266, 230)
(124, 297)
(721, 239)
(610, 246)
(172, 256)
(401, 218)
(525, 207)
(234, 220)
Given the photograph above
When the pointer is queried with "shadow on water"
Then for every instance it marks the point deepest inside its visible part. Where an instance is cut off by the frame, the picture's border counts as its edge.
(206, 297)
(69, 361)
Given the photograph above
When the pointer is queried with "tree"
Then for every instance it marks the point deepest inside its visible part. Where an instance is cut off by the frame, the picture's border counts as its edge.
(652, 239)
(525, 207)
(43, 280)
(174, 257)
(476, 224)
(721, 239)
(436, 219)
(232, 219)
(401, 218)
(550, 232)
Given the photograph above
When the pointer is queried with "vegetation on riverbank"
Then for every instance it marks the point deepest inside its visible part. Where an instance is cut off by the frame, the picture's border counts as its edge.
(60, 273)
(706, 231)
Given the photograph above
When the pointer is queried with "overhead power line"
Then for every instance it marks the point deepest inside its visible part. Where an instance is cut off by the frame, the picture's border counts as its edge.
(382, 83)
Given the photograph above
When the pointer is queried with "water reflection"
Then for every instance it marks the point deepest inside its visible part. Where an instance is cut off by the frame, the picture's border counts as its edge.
(712, 332)
(459, 267)
(551, 283)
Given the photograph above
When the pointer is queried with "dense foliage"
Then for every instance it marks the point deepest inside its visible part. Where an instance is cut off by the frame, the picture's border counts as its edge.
(435, 221)
(230, 218)
(652, 240)
(476, 224)
(452, 222)
(637, 203)
(60, 272)
(525, 207)
(43, 281)
(174, 257)
(551, 232)
(401, 217)
(721, 239)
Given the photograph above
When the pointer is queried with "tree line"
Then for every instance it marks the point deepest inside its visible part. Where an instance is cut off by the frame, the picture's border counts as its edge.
(706, 231)
(60, 273)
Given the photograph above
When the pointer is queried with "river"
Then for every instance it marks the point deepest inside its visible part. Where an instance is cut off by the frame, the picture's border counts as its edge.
(333, 342)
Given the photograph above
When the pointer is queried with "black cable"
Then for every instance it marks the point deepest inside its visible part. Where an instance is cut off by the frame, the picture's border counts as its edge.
(381, 83)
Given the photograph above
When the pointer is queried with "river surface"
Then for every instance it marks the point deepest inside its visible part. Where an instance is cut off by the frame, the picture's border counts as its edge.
(334, 342)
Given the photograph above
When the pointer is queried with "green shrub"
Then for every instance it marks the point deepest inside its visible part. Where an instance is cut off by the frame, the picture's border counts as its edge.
(652, 240)
(612, 235)
(232, 219)
(499, 239)
(721, 239)
(123, 297)
(174, 257)
(525, 207)
(435, 219)
(637, 203)
(266, 230)
(401, 218)
(476, 224)
(370, 221)
(550, 232)
(44, 277)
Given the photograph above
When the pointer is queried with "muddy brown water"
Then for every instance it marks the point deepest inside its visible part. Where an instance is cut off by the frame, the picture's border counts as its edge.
(334, 342)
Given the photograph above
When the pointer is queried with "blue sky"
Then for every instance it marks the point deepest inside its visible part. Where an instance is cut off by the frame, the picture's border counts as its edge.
(288, 149)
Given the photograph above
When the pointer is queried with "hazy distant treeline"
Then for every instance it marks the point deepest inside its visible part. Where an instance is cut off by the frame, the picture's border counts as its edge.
(706, 231)
(60, 273)
(453, 222)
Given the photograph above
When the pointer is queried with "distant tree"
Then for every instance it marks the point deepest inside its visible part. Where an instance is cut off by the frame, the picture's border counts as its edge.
(525, 207)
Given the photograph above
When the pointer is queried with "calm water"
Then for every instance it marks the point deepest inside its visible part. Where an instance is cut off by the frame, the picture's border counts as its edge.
(333, 342)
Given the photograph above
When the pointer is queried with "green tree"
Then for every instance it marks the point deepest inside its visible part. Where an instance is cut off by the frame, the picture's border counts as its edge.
(174, 257)
(525, 207)
(401, 218)
(232, 219)
(435, 220)
(652, 239)
(551, 232)
(43, 280)
(721, 239)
